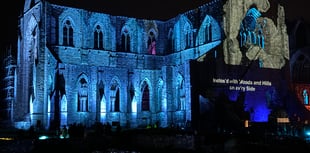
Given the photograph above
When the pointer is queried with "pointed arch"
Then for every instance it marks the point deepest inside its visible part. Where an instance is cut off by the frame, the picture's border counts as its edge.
(145, 102)
(251, 31)
(107, 29)
(186, 33)
(125, 39)
(188, 38)
(115, 95)
(183, 33)
(151, 43)
(69, 27)
(171, 41)
(151, 35)
(101, 97)
(209, 31)
(98, 37)
(133, 37)
(145, 99)
(82, 87)
(67, 33)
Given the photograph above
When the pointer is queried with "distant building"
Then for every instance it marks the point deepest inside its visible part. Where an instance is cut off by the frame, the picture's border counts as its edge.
(79, 66)
(299, 36)
(6, 108)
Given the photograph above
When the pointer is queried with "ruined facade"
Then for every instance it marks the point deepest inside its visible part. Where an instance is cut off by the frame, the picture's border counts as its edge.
(79, 66)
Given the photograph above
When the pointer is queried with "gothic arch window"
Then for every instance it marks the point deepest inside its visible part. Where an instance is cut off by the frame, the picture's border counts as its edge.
(145, 102)
(188, 36)
(305, 95)
(251, 32)
(98, 38)
(101, 97)
(151, 43)
(115, 97)
(83, 96)
(125, 41)
(170, 42)
(260, 40)
(208, 32)
(67, 34)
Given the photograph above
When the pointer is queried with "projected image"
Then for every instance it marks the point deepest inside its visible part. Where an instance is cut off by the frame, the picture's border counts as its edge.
(256, 37)
(248, 78)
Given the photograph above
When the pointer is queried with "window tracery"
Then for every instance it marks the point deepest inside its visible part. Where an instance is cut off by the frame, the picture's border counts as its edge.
(115, 97)
(83, 96)
(67, 34)
(152, 43)
(98, 38)
(251, 33)
(125, 41)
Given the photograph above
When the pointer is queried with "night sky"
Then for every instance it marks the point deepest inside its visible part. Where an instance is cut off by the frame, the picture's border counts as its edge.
(156, 9)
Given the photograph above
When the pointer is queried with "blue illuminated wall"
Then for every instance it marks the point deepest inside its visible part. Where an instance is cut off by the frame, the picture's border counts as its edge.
(79, 66)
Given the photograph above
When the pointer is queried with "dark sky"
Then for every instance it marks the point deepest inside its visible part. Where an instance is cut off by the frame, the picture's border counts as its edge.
(156, 9)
